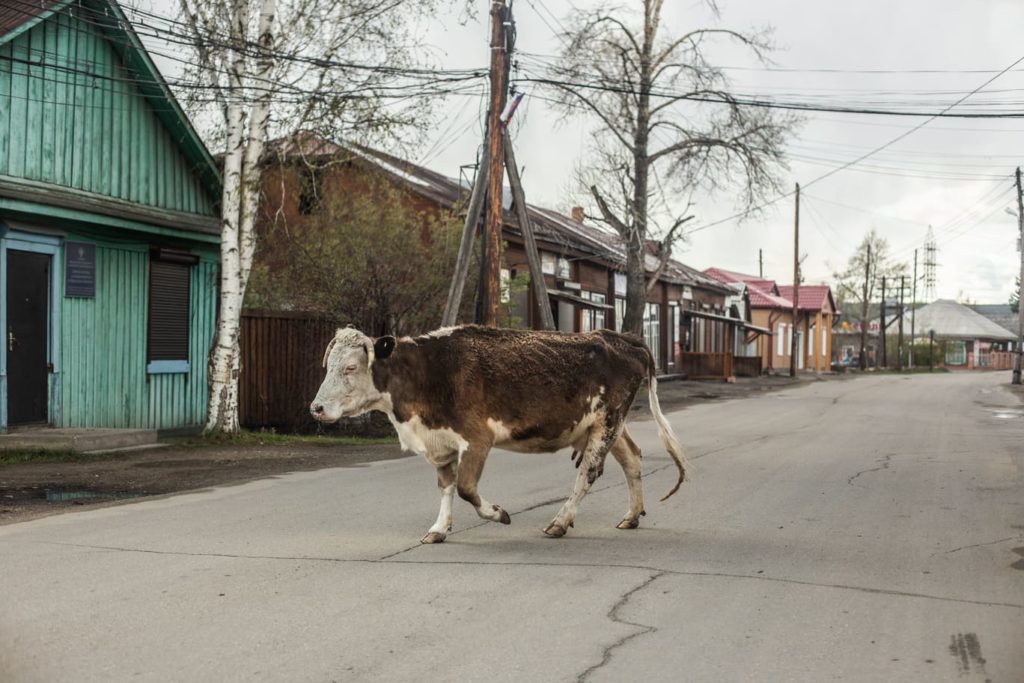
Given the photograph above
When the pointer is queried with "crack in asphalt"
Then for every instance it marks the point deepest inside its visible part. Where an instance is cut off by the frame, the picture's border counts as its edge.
(884, 466)
(613, 615)
(565, 565)
(977, 545)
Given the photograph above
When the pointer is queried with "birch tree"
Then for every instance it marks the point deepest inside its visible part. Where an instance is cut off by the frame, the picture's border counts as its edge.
(262, 67)
(666, 125)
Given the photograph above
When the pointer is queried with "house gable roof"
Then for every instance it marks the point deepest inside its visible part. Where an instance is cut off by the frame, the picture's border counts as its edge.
(107, 15)
(812, 297)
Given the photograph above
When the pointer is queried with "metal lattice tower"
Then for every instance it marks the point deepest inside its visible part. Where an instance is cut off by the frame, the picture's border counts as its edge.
(928, 277)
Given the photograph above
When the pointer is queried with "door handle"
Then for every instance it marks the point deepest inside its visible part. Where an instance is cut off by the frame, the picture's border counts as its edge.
(11, 341)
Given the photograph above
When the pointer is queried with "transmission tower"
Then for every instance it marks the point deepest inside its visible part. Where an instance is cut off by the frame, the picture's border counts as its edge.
(928, 278)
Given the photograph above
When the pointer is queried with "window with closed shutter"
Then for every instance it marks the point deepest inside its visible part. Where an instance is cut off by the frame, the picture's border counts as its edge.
(168, 334)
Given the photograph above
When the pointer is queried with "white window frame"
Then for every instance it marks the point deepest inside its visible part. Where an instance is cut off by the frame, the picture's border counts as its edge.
(548, 262)
(652, 330)
(564, 271)
(505, 287)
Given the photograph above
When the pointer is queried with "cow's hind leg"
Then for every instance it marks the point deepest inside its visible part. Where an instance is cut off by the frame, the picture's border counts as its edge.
(627, 453)
(590, 468)
(471, 466)
(446, 485)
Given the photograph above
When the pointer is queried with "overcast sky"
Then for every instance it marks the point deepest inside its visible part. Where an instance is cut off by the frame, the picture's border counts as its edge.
(953, 174)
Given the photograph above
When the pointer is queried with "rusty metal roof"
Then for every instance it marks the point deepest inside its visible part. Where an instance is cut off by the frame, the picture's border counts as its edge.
(17, 13)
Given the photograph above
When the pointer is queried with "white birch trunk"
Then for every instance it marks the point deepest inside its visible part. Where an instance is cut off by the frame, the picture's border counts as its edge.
(246, 136)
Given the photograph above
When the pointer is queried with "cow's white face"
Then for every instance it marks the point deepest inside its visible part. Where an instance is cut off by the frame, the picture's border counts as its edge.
(348, 389)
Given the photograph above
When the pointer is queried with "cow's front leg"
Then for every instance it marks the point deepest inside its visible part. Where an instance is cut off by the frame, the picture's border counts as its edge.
(590, 468)
(446, 485)
(471, 466)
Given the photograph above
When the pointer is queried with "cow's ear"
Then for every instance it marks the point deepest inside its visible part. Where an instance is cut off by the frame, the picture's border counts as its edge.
(383, 347)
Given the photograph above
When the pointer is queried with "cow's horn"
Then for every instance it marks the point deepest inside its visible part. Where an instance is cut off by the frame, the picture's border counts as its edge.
(330, 345)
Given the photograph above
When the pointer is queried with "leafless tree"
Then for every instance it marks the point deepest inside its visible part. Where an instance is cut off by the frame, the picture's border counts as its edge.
(667, 125)
(850, 286)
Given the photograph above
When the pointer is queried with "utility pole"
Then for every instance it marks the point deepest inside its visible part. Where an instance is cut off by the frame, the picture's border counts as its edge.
(490, 266)
(540, 292)
(1020, 288)
(913, 310)
(899, 352)
(760, 263)
(476, 205)
(882, 361)
(864, 313)
(796, 284)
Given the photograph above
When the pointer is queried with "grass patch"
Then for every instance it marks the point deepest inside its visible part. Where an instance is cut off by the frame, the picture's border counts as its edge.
(246, 438)
(15, 456)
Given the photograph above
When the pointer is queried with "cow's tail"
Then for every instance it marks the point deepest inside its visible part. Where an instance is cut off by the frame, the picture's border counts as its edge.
(668, 436)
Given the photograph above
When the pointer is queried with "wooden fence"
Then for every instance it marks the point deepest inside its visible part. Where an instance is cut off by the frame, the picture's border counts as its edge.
(706, 365)
(282, 352)
(281, 370)
(747, 366)
(998, 360)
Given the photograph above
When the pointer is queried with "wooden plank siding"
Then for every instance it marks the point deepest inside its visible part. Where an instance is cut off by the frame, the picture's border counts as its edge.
(72, 116)
(103, 342)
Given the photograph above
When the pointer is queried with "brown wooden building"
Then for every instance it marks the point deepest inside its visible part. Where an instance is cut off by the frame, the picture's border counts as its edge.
(583, 266)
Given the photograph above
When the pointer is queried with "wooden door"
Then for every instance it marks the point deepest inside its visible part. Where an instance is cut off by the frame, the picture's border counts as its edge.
(28, 322)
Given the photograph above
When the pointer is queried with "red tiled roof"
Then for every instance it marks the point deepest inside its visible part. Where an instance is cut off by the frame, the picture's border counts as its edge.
(763, 293)
(723, 275)
(812, 297)
(762, 299)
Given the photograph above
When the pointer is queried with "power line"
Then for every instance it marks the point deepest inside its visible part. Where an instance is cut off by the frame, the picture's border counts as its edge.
(865, 156)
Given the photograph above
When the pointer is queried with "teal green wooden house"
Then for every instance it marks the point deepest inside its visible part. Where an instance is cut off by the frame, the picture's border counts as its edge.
(109, 233)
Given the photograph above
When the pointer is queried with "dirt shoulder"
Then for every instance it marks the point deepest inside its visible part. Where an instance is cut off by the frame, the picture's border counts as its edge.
(39, 488)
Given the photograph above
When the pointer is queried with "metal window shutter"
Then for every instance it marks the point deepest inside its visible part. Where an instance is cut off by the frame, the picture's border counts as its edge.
(168, 311)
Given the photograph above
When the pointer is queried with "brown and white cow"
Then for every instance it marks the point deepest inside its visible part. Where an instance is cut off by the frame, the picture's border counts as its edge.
(457, 392)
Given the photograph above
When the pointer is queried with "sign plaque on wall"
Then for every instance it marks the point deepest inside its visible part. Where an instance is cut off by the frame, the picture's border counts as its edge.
(79, 270)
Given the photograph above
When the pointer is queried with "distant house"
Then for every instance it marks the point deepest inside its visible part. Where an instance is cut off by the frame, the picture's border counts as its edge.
(772, 308)
(1000, 314)
(583, 265)
(968, 339)
(109, 229)
(818, 313)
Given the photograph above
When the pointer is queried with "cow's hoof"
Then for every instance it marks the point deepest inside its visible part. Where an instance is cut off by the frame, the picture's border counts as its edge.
(628, 523)
(555, 530)
(433, 537)
(503, 517)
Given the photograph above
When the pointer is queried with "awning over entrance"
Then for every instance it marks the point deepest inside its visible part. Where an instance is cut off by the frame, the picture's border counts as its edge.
(578, 300)
(729, 320)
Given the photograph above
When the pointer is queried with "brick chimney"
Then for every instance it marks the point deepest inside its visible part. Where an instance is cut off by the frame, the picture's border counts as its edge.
(577, 214)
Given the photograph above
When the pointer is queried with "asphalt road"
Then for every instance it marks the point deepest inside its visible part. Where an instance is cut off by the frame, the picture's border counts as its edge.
(865, 530)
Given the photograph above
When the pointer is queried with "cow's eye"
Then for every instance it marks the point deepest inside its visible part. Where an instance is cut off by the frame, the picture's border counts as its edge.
(349, 369)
